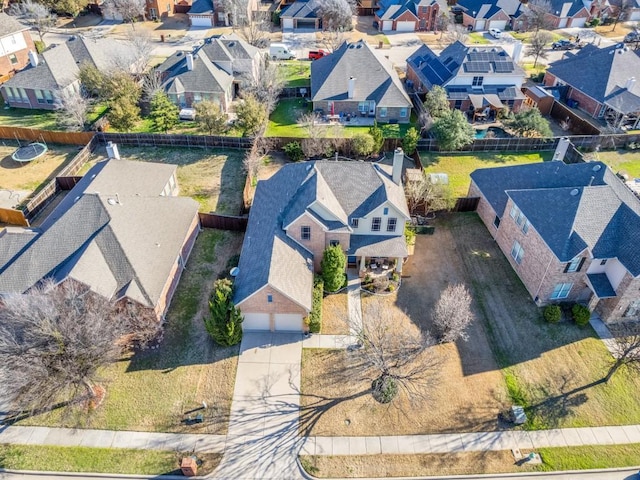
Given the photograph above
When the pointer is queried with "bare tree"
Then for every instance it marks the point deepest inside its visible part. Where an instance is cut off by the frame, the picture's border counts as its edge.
(332, 39)
(252, 162)
(337, 14)
(256, 31)
(396, 358)
(151, 84)
(55, 339)
(456, 33)
(266, 84)
(452, 314)
(236, 11)
(314, 143)
(129, 10)
(72, 107)
(36, 15)
(537, 47)
(626, 353)
(622, 11)
(140, 47)
(430, 195)
(536, 15)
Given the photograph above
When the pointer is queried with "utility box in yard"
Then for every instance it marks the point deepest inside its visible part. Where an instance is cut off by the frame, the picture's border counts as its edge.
(189, 466)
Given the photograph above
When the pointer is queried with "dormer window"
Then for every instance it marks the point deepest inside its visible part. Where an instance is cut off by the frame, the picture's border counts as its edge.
(354, 222)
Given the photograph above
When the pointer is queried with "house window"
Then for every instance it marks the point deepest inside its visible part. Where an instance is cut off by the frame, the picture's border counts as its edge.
(354, 222)
(334, 243)
(633, 309)
(48, 96)
(305, 233)
(477, 81)
(517, 252)
(496, 221)
(391, 224)
(269, 298)
(383, 112)
(525, 226)
(603, 261)
(561, 290)
(457, 104)
(39, 96)
(519, 218)
(375, 224)
(385, 211)
(13, 59)
(363, 107)
(574, 265)
(403, 113)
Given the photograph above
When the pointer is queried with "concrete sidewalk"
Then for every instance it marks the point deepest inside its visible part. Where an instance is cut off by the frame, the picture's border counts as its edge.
(471, 442)
(69, 437)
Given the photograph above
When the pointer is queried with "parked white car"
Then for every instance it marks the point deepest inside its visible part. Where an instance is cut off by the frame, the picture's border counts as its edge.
(495, 32)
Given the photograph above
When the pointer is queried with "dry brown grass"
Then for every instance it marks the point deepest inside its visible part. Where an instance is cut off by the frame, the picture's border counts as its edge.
(386, 466)
(28, 177)
(620, 31)
(335, 314)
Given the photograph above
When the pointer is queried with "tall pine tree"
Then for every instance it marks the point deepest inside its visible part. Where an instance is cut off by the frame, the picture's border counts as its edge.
(224, 323)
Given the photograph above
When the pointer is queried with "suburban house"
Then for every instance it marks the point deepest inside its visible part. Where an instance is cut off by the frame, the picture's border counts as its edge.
(122, 231)
(15, 45)
(210, 13)
(296, 214)
(474, 77)
(486, 14)
(354, 81)
(409, 15)
(569, 231)
(601, 82)
(56, 69)
(202, 14)
(633, 14)
(570, 13)
(212, 71)
(301, 14)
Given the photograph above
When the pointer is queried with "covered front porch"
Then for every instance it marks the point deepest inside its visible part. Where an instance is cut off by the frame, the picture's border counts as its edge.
(601, 288)
(377, 254)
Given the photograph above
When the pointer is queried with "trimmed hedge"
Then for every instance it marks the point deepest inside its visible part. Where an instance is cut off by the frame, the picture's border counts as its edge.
(580, 314)
(314, 320)
(552, 313)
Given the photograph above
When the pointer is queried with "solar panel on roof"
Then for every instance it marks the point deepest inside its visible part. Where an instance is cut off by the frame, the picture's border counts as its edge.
(476, 66)
(503, 67)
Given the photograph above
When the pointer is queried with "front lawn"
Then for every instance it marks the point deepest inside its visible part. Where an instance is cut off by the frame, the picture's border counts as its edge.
(478, 38)
(296, 73)
(525, 37)
(27, 118)
(460, 166)
(335, 314)
(152, 390)
(98, 460)
(214, 178)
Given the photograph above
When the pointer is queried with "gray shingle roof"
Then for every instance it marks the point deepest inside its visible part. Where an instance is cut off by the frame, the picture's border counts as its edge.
(269, 256)
(302, 9)
(201, 7)
(9, 25)
(602, 74)
(375, 78)
(112, 246)
(378, 245)
(205, 77)
(572, 207)
(601, 285)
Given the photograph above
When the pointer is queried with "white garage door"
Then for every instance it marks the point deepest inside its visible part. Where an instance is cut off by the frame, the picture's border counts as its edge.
(201, 22)
(479, 25)
(562, 23)
(578, 22)
(501, 24)
(405, 26)
(387, 25)
(287, 23)
(635, 15)
(256, 321)
(288, 322)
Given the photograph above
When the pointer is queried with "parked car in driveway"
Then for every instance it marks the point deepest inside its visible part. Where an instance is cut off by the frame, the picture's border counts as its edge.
(632, 37)
(495, 32)
(565, 44)
(316, 54)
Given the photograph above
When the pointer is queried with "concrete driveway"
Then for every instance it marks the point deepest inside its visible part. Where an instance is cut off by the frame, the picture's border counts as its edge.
(300, 41)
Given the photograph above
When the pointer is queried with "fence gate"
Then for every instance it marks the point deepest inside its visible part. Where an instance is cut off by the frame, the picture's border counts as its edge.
(466, 204)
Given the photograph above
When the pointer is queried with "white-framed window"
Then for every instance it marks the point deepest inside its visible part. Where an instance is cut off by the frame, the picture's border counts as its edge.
(519, 218)
(603, 261)
(574, 265)
(375, 224)
(39, 96)
(477, 81)
(363, 107)
(334, 243)
(305, 232)
(48, 96)
(391, 224)
(404, 112)
(355, 222)
(13, 59)
(517, 252)
(383, 112)
(561, 290)
(496, 221)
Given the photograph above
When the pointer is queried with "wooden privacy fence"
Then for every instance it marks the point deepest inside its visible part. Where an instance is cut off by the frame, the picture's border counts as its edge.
(67, 183)
(47, 136)
(13, 217)
(578, 124)
(466, 204)
(223, 222)
(166, 140)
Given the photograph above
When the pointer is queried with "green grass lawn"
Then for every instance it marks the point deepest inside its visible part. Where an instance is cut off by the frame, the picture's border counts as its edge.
(282, 122)
(151, 390)
(624, 161)
(459, 167)
(589, 457)
(479, 38)
(26, 118)
(526, 36)
(295, 72)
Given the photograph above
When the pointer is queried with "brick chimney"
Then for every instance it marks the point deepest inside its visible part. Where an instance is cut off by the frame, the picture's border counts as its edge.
(398, 162)
(352, 87)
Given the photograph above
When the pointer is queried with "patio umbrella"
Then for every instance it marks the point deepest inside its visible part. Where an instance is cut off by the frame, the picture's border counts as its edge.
(332, 109)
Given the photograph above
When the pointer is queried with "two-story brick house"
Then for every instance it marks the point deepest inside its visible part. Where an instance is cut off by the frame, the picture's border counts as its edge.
(601, 82)
(15, 45)
(354, 80)
(474, 77)
(296, 215)
(569, 231)
(409, 15)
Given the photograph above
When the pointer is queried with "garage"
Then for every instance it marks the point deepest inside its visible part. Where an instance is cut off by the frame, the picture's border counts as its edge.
(387, 25)
(288, 322)
(306, 24)
(479, 25)
(578, 22)
(200, 21)
(501, 24)
(287, 23)
(406, 26)
(635, 15)
(256, 321)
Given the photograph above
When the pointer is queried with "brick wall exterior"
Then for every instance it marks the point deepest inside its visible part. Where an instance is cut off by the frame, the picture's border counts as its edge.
(613, 309)
(33, 101)
(585, 103)
(22, 56)
(484, 210)
(257, 303)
